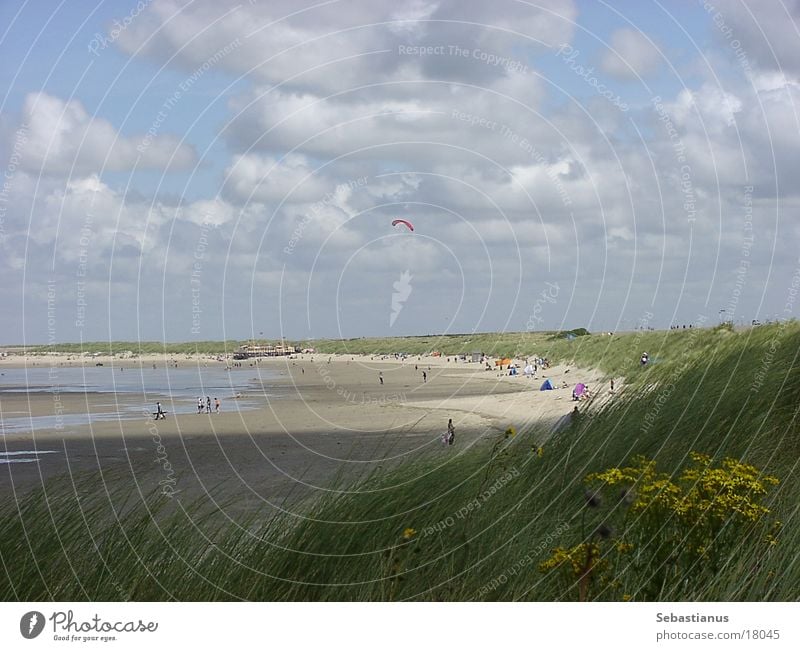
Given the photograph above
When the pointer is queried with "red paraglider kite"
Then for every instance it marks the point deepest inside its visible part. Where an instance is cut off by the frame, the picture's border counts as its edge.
(406, 223)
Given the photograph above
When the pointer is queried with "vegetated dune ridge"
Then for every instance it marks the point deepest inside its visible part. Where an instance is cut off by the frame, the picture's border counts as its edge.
(483, 522)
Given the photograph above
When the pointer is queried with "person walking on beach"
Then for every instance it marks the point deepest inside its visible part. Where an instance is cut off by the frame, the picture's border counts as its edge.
(424, 376)
(160, 412)
(451, 432)
(199, 405)
(216, 405)
(208, 404)
(380, 377)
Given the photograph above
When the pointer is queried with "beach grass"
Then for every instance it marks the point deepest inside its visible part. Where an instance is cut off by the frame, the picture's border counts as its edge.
(480, 523)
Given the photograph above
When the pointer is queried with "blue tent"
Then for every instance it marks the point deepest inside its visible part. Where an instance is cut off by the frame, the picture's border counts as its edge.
(547, 385)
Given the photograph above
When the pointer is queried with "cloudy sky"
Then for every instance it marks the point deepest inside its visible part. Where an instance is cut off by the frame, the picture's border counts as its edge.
(184, 170)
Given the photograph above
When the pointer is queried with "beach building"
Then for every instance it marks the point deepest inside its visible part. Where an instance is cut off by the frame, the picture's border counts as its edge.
(248, 351)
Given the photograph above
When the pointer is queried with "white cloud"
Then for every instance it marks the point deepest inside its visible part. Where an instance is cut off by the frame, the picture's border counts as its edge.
(631, 55)
(328, 47)
(715, 107)
(63, 138)
(759, 35)
(253, 177)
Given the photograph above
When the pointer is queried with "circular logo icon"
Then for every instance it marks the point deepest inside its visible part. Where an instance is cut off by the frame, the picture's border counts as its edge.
(31, 624)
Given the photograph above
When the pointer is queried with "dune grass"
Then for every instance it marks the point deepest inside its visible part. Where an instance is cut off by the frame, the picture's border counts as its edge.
(477, 524)
(491, 343)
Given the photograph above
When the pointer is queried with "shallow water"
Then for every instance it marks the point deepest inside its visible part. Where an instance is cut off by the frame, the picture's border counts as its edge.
(23, 456)
(132, 392)
(182, 382)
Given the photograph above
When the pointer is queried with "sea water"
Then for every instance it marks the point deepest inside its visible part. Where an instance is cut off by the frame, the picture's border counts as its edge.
(132, 392)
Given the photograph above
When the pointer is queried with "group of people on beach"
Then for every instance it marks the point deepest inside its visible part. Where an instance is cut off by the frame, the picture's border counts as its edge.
(202, 407)
(206, 407)
(584, 394)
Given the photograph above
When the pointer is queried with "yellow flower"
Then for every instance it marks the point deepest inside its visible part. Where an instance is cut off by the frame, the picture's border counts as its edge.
(511, 431)
(579, 559)
(409, 533)
(626, 597)
(540, 452)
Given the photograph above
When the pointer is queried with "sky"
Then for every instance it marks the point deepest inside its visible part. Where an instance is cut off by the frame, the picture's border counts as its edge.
(180, 170)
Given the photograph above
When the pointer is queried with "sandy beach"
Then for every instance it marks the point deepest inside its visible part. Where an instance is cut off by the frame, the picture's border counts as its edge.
(308, 420)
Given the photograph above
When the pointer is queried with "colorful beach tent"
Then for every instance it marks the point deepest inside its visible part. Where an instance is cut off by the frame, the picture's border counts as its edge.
(579, 389)
(547, 385)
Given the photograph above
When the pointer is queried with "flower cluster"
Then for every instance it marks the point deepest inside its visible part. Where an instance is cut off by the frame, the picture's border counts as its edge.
(683, 527)
(576, 559)
(717, 493)
(701, 494)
